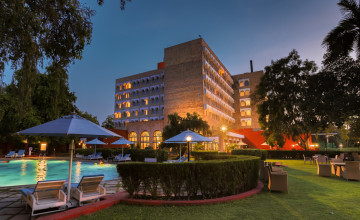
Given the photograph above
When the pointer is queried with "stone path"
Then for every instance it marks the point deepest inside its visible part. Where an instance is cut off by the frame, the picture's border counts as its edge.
(13, 207)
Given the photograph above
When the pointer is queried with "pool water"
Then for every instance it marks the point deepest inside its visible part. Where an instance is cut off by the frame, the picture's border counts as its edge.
(24, 172)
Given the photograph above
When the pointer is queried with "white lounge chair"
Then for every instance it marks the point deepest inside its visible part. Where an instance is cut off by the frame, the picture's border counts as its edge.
(96, 157)
(45, 195)
(21, 153)
(175, 161)
(89, 156)
(10, 154)
(79, 156)
(124, 158)
(88, 189)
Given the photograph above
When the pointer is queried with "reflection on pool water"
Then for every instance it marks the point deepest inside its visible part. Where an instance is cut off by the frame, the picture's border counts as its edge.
(24, 172)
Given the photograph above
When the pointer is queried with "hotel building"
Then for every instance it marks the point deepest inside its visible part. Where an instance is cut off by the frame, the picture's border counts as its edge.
(190, 79)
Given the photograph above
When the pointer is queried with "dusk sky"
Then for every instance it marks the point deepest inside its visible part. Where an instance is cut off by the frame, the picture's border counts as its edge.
(133, 41)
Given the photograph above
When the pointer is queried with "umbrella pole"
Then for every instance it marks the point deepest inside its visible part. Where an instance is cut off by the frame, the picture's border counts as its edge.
(71, 147)
(122, 151)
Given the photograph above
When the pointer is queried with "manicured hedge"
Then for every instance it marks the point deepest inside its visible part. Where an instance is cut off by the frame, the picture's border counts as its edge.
(298, 154)
(204, 155)
(136, 154)
(253, 152)
(211, 178)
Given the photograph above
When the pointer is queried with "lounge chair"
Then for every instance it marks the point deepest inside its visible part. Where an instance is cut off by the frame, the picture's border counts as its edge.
(96, 157)
(307, 159)
(11, 154)
(88, 189)
(323, 169)
(351, 171)
(123, 159)
(150, 160)
(175, 161)
(278, 181)
(45, 195)
(79, 156)
(21, 153)
(89, 156)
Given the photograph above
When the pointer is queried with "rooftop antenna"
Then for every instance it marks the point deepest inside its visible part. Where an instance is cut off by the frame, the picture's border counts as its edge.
(251, 66)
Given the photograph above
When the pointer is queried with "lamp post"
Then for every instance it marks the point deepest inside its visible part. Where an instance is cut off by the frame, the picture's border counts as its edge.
(223, 129)
(188, 140)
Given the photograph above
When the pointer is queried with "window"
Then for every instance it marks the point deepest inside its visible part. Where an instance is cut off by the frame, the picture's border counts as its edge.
(242, 103)
(119, 105)
(128, 105)
(157, 139)
(146, 101)
(243, 113)
(133, 137)
(241, 83)
(116, 115)
(247, 82)
(127, 114)
(248, 112)
(144, 139)
(242, 93)
(146, 112)
(127, 95)
(243, 123)
(247, 92)
(128, 85)
(136, 113)
(248, 102)
(248, 122)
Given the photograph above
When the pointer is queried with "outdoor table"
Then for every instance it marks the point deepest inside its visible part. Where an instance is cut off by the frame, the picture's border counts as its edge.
(336, 166)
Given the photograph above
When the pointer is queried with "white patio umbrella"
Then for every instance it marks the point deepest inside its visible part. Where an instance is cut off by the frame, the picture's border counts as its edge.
(187, 137)
(122, 141)
(95, 142)
(69, 126)
(241, 143)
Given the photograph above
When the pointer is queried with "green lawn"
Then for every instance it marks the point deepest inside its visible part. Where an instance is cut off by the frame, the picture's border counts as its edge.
(309, 197)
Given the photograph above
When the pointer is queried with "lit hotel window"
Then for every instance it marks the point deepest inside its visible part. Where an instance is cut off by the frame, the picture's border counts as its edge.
(242, 113)
(119, 105)
(144, 139)
(242, 103)
(127, 95)
(128, 85)
(146, 101)
(136, 113)
(116, 115)
(248, 112)
(146, 112)
(242, 93)
(247, 92)
(248, 102)
(128, 105)
(241, 83)
(133, 137)
(248, 122)
(243, 123)
(127, 114)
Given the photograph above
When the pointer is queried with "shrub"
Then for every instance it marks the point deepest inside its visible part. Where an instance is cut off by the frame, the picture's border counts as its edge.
(253, 152)
(204, 155)
(136, 154)
(298, 154)
(213, 178)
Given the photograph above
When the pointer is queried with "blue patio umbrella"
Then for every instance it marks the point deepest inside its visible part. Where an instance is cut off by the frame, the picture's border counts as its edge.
(122, 141)
(95, 142)
(69, 126)
(188, 137)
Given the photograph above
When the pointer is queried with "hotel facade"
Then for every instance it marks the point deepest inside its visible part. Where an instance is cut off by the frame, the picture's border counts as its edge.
(190, 79)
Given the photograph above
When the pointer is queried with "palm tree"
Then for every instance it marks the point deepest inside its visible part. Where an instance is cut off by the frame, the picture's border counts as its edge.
(345, 38)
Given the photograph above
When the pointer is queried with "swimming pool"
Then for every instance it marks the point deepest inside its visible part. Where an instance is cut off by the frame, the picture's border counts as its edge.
(24, 172)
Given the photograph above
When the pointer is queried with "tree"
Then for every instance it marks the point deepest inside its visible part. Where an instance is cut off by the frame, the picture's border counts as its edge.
(281, 98)
(178, 124)
(109, 122)
(345, 37)
(87, 116)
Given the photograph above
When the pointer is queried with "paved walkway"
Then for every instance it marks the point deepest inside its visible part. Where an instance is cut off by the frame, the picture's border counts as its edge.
(13, 207)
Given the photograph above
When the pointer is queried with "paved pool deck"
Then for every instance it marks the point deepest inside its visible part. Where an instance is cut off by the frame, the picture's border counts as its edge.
(13, 207)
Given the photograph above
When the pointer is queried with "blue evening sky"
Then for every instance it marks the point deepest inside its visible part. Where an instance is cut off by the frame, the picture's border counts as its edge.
(133, 41)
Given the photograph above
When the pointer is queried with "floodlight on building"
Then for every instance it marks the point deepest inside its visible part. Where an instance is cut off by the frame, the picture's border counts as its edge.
(223, 128)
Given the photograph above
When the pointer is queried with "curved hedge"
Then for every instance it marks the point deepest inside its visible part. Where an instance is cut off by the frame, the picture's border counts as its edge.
(194, 180)
(136, 154)
(253, 152)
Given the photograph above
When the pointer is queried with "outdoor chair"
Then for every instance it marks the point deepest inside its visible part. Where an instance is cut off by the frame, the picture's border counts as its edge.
(321, 159)
(355, 156)
(21, 153)
(79, 156)
(45, 195)
(341, 156)
(323, 169)
(97, 156)
(89, 156)
(275, 169)
(278, 181)
(10, 154)
(307, 159)
(123, 159)
(351, 171)
(175, 161)
(88, 189)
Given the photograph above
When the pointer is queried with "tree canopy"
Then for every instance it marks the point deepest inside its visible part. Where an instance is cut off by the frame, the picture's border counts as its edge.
(109, 122)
